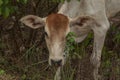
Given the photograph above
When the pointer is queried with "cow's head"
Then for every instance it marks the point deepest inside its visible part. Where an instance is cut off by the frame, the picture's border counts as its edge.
(57, 26)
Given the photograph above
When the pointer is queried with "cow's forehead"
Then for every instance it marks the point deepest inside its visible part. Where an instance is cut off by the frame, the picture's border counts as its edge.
(57, 24)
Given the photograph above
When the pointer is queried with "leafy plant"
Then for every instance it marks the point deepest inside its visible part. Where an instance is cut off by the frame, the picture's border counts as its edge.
(7, 8)
(2, 71)
(117, 38)
(70, 43)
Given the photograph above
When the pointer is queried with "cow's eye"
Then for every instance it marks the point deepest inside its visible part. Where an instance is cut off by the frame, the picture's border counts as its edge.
(46, 34)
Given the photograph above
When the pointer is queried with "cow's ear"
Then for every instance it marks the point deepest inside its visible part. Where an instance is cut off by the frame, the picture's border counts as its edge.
(81, 21)
(33, 21)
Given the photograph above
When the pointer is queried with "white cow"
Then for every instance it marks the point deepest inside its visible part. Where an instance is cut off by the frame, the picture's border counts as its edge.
(80, 17)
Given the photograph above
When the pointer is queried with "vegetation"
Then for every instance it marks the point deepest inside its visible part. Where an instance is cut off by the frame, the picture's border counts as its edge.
(23, 51)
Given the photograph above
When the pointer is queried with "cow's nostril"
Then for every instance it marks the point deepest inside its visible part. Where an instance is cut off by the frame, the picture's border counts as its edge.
(52, 61)
(58, 62)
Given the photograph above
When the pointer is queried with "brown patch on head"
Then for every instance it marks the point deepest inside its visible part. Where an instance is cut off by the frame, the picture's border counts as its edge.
(57, 24)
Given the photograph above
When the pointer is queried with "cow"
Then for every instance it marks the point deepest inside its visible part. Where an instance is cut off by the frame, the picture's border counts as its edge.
(79, 17)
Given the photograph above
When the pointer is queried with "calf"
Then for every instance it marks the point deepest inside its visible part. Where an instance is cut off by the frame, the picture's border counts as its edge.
(80, 17)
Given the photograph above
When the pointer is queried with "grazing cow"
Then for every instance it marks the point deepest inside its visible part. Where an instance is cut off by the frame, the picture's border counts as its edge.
(80, 17)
